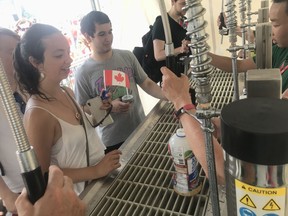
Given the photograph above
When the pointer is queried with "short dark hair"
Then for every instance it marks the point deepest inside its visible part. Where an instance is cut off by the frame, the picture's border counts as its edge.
(8, 32)
(88, 22)
(31, 45)
(280, 1)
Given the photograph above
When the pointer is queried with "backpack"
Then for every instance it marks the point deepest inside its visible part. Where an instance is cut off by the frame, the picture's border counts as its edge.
(145, 56)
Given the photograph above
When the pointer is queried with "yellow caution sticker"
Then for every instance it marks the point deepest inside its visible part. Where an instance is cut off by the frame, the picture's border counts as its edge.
(271, 206)
(246, 200)
(252, 200)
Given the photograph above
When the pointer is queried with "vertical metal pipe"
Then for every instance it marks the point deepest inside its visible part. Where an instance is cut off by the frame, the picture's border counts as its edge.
(207, 126)
(93, 5)
(264, 3)
(232, 26)
(201, 72)
(98, 6)
(169, 46)
(249, 18)
(235, 76)
(242, 9)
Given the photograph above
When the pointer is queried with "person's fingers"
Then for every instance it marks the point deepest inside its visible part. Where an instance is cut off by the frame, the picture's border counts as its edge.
(113, 156)
(116, 158)
(124, 105)
(117, 165)
(184, 77)
(114, 164)
(116, 151)
(68, 183)
(166, 71)
(55, 177)
(71, 201)
(23, 195)
(81, 208)
(117, 100)
(22, 203)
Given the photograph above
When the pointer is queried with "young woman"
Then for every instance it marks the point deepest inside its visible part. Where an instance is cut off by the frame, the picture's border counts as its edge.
(55, 125)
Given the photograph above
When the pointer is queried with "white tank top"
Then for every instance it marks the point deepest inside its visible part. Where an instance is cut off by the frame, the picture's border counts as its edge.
(70, 150)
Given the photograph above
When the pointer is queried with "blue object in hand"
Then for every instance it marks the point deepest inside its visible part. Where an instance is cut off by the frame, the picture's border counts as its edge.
(104, 94)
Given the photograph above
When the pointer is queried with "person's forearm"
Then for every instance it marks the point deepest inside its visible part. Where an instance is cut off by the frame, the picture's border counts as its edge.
(4, 190)
(83, 174)
(159, 50)
(152, 89)
(156, 92)
(225, 63)
(8, 196)
(222, 62)
(161, 55)
(196, 140)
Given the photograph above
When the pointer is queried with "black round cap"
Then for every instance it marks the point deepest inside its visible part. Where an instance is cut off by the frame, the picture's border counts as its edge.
(255, 130)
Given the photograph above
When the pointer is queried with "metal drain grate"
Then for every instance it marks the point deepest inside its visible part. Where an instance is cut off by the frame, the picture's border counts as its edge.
(144, 186)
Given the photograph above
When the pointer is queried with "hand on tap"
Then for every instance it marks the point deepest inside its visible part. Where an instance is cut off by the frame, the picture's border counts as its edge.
(59, 198)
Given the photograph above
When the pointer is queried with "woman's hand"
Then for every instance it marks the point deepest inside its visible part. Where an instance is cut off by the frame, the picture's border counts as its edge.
(110, 162)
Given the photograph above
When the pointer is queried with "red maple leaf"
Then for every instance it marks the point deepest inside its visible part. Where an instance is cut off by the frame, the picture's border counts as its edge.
(119, 77)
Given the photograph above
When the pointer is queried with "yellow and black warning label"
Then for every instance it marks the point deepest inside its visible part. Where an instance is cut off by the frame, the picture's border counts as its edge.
(271, 206)
(246, 200)
(259, 201)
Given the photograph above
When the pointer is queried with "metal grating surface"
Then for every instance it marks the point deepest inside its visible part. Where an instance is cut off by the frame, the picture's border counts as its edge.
(144, 186)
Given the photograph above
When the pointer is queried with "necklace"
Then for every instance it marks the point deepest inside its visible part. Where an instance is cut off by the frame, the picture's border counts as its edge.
(74, 108)
(77, 115)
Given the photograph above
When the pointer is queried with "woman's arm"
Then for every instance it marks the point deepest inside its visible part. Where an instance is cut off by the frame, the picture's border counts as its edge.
(8, 196)
(110, 162)
(159, 49)
(41, 130)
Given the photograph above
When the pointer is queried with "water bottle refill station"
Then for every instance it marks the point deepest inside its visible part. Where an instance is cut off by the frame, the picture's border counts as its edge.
(254, 141)
(255, 180)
